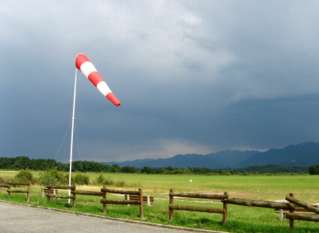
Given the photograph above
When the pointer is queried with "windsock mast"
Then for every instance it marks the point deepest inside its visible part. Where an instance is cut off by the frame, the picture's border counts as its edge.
(84, 64)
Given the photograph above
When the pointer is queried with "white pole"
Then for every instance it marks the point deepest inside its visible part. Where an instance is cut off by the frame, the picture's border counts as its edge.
(72, 132)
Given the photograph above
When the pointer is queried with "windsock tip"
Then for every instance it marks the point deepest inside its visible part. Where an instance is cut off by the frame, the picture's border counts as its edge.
(111, 97)
(80, 58)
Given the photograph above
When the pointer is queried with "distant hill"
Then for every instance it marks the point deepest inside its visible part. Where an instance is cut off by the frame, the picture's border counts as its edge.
(223, 159)
(304, 154)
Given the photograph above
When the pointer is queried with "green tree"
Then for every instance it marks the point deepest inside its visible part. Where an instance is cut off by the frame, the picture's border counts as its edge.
(314, 170)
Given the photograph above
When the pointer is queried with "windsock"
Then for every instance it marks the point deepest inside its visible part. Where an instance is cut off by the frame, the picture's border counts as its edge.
(87, 68)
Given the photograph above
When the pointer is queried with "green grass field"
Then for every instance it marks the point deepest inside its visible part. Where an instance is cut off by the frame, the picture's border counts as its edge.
(241, 219)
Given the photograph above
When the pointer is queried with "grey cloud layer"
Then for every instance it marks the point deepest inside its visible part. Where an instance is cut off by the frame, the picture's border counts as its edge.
(193, 76)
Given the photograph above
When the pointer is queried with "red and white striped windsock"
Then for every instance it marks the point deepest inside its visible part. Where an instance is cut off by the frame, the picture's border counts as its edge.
(84, 64)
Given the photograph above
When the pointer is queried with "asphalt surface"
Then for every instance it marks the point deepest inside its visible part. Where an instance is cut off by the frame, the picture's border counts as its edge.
(23, 219)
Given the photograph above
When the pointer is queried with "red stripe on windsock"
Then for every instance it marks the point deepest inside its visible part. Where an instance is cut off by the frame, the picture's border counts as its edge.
(95, 78)
(80, 59)
(113, 99)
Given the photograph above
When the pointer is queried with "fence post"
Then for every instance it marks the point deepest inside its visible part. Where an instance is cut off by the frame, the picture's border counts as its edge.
(148, 198)
(104, 198)
(141, 203)
(291, 210)
(225, 207)
(28, 193)
(8, 190)
(171, 202)
(55, 193)
(73, 195)
(42, 192)
(47, 192)
(128, 197)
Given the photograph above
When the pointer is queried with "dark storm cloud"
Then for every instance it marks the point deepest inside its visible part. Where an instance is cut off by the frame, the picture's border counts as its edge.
(193, 76)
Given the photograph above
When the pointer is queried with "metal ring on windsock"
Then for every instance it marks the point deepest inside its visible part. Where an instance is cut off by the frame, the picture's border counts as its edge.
(84, 64)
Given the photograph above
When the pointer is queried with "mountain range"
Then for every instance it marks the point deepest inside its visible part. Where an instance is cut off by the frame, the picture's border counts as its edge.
(301, 155)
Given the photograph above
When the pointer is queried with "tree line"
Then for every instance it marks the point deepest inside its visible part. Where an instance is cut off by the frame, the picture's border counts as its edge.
(24, 162)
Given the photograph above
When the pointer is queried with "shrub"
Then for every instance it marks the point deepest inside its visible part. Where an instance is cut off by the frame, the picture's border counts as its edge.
(108, 181)
(120, 183)
(24, 176)
(81, 179)
(104, 181)
(100, 179)
(52, 177)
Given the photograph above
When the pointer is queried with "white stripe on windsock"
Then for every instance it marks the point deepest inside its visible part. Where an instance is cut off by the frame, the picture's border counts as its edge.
(103, 88)
(87, 68)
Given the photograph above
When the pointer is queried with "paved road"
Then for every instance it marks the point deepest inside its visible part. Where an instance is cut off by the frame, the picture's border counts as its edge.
(22, 219)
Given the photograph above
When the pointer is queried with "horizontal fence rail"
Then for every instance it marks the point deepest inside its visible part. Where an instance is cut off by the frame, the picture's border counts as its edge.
(303, 216)
(88, 193)
(119, 191)
(200, 195)
(258, 203)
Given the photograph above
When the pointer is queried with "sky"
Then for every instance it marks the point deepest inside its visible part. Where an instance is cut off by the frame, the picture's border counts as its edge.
(192, 76)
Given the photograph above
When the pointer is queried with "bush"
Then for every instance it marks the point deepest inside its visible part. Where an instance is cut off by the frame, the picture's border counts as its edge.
(120, 183)
(104, 181)
(108, 181)
(24, 176)
(81, 179)
(52, 177)
(100, 179)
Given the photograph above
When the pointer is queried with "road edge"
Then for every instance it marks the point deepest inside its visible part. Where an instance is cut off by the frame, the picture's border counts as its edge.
(114, 219)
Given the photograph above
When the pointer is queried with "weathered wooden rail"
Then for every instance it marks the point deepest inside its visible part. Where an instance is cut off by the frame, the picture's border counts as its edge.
(259, 203)
(173, 206)
(4, 186)
(139, 201)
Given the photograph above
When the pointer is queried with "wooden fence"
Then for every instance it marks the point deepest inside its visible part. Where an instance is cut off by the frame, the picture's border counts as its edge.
(12, 187)
(106, 201)
(137, 197)
(292, 208)
(221, 197)
(300, 211)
